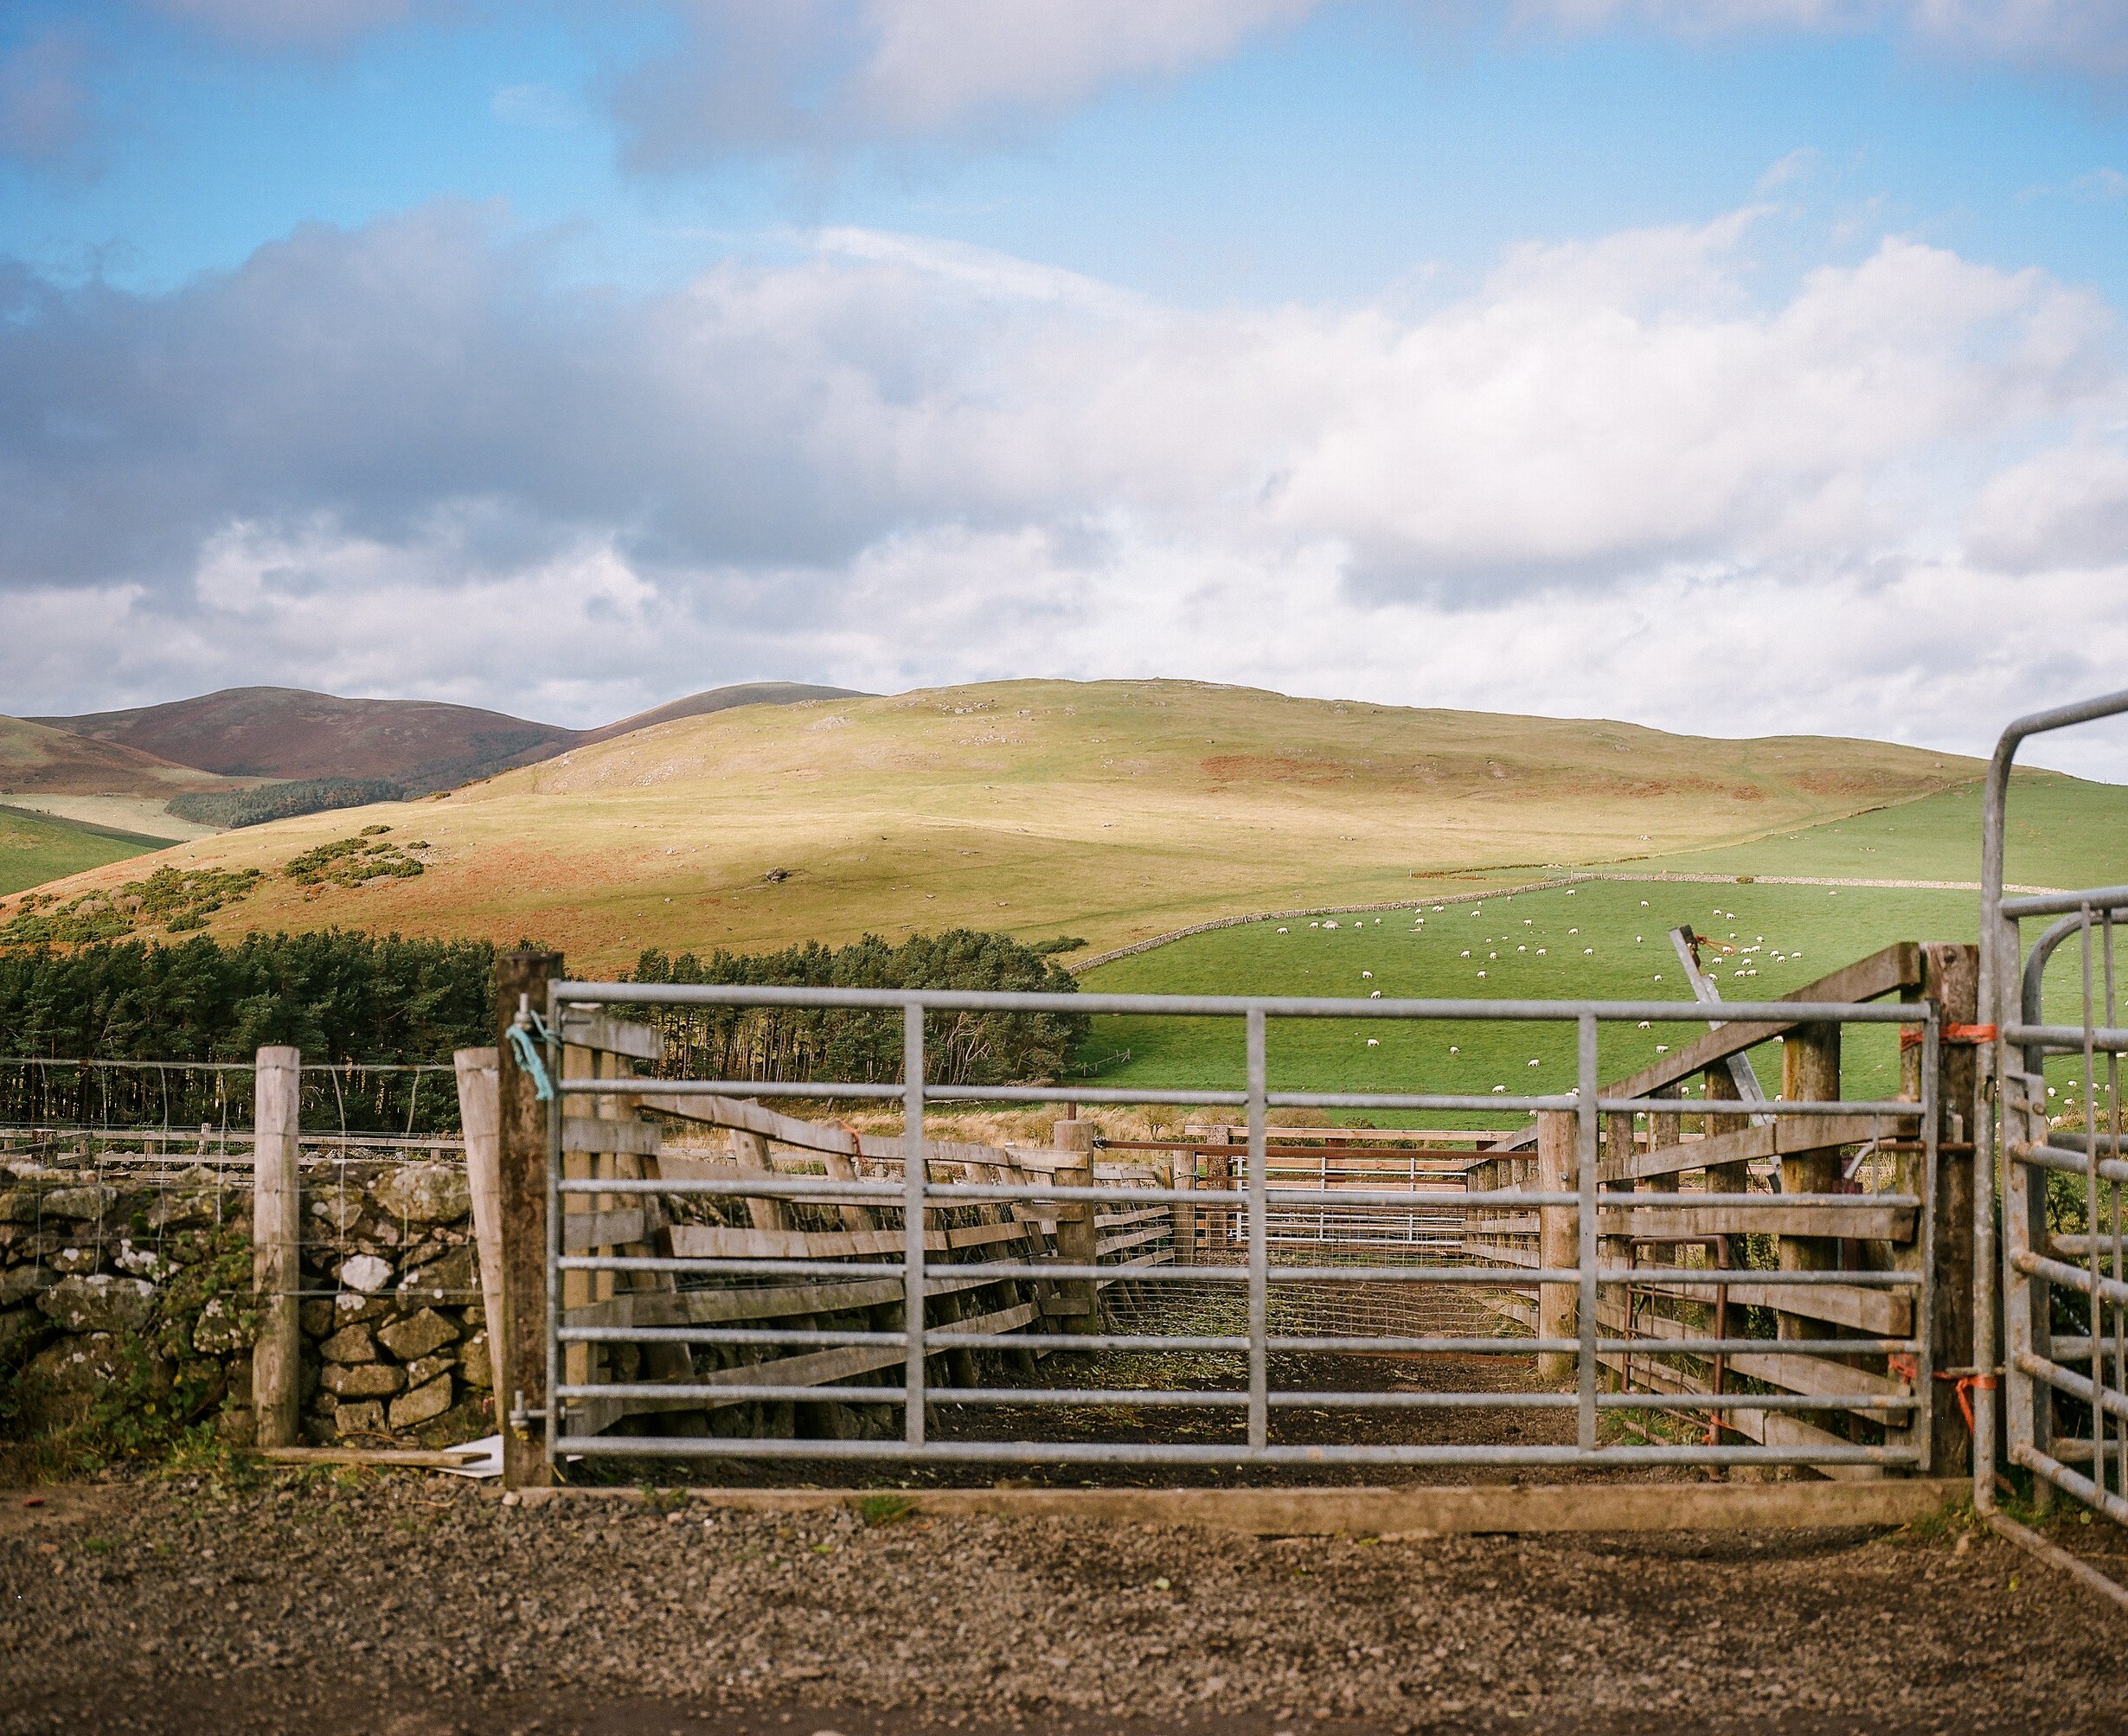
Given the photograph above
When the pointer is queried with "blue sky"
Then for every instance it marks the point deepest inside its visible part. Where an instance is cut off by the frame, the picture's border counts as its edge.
(1330, 347)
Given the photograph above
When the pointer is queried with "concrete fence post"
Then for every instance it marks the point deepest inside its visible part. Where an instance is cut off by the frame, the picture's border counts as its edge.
(277, 1236)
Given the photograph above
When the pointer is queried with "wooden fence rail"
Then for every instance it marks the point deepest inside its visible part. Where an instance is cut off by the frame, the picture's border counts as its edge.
(1709, 1146)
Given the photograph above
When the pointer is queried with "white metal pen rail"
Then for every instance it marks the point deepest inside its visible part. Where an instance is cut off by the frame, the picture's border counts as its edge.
(570, 1405)
(2042, 1266)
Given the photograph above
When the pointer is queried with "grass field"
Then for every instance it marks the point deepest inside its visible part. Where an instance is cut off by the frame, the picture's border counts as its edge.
(36, 848)
(1114, 811)
(2062, 832)
(1598, 940)
(1607, 939)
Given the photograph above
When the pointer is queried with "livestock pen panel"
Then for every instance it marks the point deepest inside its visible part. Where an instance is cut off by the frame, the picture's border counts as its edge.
(974, 1304)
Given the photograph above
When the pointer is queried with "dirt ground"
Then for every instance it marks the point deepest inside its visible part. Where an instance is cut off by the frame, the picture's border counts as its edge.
(411, 1605)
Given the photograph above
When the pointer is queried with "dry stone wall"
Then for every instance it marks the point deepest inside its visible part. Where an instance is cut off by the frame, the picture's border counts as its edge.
(126, 1302)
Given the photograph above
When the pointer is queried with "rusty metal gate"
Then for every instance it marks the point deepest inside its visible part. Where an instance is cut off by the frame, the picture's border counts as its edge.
(2064, 1286)
(911, 1213)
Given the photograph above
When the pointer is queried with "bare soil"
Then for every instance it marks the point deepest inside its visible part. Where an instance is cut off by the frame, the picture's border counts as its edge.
(415, 1605)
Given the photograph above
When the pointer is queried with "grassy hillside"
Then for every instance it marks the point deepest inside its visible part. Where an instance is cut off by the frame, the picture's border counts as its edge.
(1113, 810)
(2062, 832)
(36, 759)
(1607, 940)
(36, 848)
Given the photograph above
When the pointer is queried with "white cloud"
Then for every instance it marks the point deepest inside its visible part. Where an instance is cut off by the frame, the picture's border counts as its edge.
(2089, 37)
(1610, 479)
(821, 75)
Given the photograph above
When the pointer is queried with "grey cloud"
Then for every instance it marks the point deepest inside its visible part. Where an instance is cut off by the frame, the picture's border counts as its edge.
(2089, 38)
(816, 76)
(301, 24)
(46, 106)
(373, 378)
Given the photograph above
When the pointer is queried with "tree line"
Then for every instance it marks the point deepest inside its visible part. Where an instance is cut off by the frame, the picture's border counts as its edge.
(762, 1045)
(363, 1002)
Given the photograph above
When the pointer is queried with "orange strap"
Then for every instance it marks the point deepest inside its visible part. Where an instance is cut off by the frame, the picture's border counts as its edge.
(1910, 1038)
(1966, 1383)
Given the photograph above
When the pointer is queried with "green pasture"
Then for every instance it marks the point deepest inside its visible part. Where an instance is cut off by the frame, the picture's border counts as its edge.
(36, 848)
(1609, 940)
(1599, 941)
(2062, 832)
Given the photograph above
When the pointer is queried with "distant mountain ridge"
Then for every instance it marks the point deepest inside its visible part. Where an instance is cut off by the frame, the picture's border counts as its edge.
(423, 744)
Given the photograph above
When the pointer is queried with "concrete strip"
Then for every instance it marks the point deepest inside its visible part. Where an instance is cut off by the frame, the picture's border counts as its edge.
(1413, 1511)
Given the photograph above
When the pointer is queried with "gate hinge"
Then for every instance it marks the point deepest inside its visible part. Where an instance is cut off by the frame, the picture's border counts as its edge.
(521, 1417)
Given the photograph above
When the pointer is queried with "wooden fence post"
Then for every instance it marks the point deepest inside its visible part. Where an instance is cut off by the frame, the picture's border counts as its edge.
(522, 1170)
(1182, 1174)
(1618, 1146)
(1810, 1073)
(277, 1250)
(1076, 1241)
(1950, 978)
(478, 1118)
(1558, 1242)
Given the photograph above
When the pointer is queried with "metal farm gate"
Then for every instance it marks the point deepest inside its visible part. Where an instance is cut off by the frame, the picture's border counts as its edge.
(687, 1295)
(870, 1273)
(2064, 1288)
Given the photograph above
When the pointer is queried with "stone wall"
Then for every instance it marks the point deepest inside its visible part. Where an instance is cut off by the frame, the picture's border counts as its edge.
(125, 1297)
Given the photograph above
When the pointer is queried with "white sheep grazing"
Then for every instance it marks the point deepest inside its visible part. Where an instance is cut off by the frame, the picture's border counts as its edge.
(1374, 1042)
(1367, 973)
(1373, 994)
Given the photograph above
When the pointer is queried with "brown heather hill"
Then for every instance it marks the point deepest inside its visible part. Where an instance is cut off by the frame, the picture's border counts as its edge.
(36, 759)
(280, 732)
(287, 732)
(1108, 810)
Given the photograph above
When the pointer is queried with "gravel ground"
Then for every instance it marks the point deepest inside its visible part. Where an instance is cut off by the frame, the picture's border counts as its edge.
(413, 1605)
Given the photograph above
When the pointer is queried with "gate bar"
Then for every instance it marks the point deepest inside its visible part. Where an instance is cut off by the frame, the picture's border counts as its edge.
(2001, 947)
(1260, 1234)
(915, 1174)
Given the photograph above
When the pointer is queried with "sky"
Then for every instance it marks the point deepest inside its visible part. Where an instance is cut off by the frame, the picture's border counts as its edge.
(1736, 366)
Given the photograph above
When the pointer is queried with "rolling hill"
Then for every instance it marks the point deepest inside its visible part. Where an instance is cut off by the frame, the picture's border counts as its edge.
(39, 847)
(1111, 810)
(717, 699)
(40, 760)
(289, 733)
(285, 732)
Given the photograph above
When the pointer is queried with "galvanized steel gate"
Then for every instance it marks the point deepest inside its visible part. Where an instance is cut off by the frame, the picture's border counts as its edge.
(2048, 1272)
(1903, 1408)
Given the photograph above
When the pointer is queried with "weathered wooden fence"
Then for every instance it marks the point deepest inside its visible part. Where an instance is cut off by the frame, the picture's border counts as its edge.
(644, 1239)
(1756, 1148)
